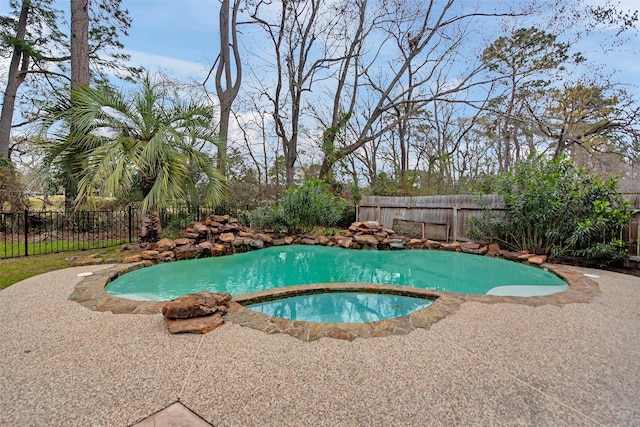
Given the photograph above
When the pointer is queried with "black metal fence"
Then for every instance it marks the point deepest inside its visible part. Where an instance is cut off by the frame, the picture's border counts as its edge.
(27, 232)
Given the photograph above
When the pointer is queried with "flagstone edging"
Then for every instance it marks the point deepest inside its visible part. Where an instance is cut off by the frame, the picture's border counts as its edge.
(90, 293)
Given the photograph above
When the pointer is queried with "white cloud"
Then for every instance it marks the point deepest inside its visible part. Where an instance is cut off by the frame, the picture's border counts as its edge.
(174, 66)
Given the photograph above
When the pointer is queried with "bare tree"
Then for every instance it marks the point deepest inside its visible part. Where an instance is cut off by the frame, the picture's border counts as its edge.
(428, 36)
(299, 58)
(228, 73)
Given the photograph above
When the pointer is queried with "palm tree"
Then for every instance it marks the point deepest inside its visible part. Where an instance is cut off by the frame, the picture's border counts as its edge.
(144, 141)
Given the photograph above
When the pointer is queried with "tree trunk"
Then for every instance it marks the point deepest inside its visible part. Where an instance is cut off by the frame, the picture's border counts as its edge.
(227, 84)
(15, 76)
(79, 43)
(151, 229)
(80, 77)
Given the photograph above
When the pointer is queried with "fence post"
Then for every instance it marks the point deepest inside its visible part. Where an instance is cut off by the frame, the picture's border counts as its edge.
(130, 224)
(26, 232)
(455, 223)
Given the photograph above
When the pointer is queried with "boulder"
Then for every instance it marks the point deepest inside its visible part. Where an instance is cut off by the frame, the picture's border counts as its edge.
(454, 246)
(205, 248)
(322, 240)
(537, 259)
(308, 241)
(227, 237)
(345, 242)
(414, 244)
(209, 222)
(432, 244)
(241, 241)
(264, 237)
(396, 243)
(524, 255)
(197, 325)
(187, 252)
(150, 255)
(257, 243)
(165, 245)
(218, 249)
(184, 241)
(200, 304)
(470, 248)
(365, 239)
(230, 227)
(200, 228)
(131, 259)
(493, 250)
(512, 256)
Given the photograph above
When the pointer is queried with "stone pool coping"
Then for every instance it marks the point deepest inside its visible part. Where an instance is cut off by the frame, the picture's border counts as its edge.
(90, 292)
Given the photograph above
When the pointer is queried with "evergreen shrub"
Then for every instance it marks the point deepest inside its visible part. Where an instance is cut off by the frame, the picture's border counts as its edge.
(557, 209)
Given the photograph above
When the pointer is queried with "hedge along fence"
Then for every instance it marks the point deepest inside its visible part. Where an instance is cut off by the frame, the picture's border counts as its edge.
(453, 212)
(27, 232)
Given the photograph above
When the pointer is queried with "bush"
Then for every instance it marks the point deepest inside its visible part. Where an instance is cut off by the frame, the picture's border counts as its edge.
(304, 207)
(556, 209)
(267, 218)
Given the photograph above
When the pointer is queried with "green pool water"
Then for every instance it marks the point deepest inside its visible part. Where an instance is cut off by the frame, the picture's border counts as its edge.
(348, 307)
(298, 265)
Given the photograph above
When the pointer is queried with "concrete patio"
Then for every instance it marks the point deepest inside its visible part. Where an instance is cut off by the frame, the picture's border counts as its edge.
(487, 364)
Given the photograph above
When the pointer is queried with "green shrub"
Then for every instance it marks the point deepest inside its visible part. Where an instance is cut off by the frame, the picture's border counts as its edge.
(304, 207)
(310, 205)
(556, 209)
(267, 218)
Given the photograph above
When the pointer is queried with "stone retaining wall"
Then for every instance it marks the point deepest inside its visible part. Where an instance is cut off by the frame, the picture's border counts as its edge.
(224, 235)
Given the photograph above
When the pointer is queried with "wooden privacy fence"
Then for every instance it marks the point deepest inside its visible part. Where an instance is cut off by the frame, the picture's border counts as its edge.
(449, 214)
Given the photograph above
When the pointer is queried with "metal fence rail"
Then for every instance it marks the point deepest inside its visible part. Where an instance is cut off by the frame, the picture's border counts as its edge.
(27, 232)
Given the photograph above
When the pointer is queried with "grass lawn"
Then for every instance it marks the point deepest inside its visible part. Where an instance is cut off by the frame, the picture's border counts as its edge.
(59, 245)
(13, 270)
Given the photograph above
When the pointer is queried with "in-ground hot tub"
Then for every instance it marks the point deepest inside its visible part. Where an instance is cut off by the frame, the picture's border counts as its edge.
(342, 307)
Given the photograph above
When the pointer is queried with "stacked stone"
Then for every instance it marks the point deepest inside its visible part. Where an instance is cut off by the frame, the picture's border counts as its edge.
(368, 235)
(196, 313)
(224, 235)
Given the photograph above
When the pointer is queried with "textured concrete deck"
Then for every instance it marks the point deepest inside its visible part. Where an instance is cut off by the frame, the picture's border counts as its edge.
(488, 364)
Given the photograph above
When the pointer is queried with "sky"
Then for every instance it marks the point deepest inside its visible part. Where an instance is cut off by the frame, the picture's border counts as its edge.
(179, 36)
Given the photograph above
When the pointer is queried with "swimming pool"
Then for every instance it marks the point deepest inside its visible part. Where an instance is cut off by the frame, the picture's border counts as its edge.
(282, 266)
